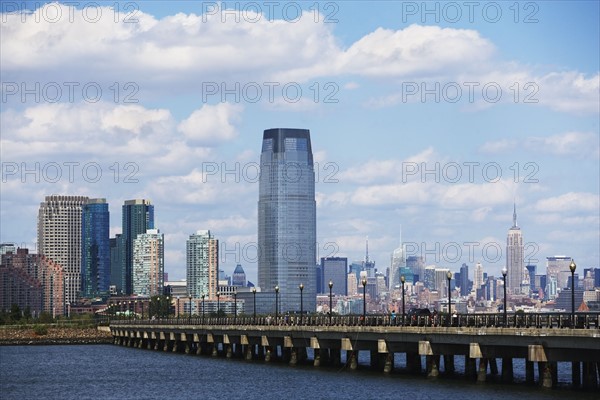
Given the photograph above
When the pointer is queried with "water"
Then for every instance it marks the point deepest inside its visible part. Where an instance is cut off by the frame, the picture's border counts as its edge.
(114, 372)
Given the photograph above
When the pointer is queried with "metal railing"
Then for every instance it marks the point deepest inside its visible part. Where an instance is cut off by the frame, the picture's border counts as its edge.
(588, 320)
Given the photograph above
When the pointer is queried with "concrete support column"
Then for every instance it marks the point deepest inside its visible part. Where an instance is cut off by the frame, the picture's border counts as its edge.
(166, 345)
(545, 372)
(293, 357)
(188, 348)
(268, 354)
(215, 350)
(389, 363)
(507, 370)
(493, 366)
(529, 372)
(335, 357)
(413, 363)
(470, 367)
(317, 360)
(590, 375)
(149, 345)
(228, 351)
(175, 345)
(352, 360)
(433, 366)
(482, 370)
(156, 344)
(374, 359)
(198, 348)
(576, 374)
(249, 353)
(449, 364)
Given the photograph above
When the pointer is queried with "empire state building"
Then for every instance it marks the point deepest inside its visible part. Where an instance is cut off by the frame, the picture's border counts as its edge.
(514, 257)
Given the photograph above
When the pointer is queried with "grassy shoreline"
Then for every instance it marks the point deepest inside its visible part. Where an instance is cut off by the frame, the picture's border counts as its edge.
(33, 335)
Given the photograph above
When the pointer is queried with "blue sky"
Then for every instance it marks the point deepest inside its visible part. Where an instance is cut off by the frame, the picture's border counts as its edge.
(394, 89)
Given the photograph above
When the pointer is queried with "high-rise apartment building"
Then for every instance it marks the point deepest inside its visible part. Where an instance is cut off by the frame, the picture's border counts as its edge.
(60, 238)
(202, 272)
(558, 268)
(514, 257)
(464, 280)
(138, 217)
(287, 217)
(95, 253)
(148, 263)
(335, 270)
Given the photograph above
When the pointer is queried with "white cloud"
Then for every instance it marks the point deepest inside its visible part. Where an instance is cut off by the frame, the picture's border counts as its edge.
(571, 201)
(211, 125)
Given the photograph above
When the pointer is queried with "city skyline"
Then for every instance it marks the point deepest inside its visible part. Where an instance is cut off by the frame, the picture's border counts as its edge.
(386, 153)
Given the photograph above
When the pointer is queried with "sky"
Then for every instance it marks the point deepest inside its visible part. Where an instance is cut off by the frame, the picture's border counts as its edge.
(428, 121)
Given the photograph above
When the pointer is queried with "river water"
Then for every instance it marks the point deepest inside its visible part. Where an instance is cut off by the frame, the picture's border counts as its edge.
(114, 372)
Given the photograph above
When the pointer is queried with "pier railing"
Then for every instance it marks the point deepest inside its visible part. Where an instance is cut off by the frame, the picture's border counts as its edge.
(587, 320)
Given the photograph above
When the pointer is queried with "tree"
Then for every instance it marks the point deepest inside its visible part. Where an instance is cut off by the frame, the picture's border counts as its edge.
(15, 312)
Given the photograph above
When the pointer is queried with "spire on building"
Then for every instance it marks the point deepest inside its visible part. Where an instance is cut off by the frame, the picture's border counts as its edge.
(515, 214)
(367, 251)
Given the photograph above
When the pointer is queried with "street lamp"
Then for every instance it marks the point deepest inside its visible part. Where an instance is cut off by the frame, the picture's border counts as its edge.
(504, 272)
(402, 279)
(218, 304)
(234, 306)
(190, 318)
(364, 283)
(254, 304)
(572, 267)
(301, 287)
(177, 310)
(330, 301)
(276, 304)
(203, 296)
(449, 276)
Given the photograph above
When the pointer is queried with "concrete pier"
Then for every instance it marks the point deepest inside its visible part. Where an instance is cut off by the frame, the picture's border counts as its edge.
(480, 347)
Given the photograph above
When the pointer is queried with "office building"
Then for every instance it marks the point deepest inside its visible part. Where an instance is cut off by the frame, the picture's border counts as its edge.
(558, 267)
(335, 270)
(239, 276)
(59, 238)
(287, 217)
(138, 217)
(514, 257)
(95, 254)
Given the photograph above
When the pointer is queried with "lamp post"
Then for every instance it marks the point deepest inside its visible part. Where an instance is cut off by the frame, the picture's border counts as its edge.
(177, 310)
(330, 301)
(449, 276)
(301, 287)
(254, 304)
(234, 306)
(364, 283)
(572, 267)
(276, 304)
(203, 296)
(169, 299)
(190, 317)
(218, 304)
(504, 272)
(402, 280)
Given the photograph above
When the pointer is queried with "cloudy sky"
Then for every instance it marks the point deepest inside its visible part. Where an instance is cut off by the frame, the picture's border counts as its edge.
(430, 121)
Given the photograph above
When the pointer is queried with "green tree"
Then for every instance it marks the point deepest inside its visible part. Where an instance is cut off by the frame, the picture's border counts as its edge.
(15, 312)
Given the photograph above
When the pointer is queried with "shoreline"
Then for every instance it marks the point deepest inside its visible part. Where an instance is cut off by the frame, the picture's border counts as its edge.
(54, 336)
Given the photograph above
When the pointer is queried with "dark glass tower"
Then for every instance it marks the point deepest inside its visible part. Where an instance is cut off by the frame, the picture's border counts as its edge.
(287, 218)
(95, 251)
(138, 217)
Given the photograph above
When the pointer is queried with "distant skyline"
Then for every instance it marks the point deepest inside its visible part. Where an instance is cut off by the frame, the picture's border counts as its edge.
(408, 126)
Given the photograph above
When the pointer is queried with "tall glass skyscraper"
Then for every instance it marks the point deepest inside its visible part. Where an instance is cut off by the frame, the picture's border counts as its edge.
(287, 227)
(95, 252)
(138, 217)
